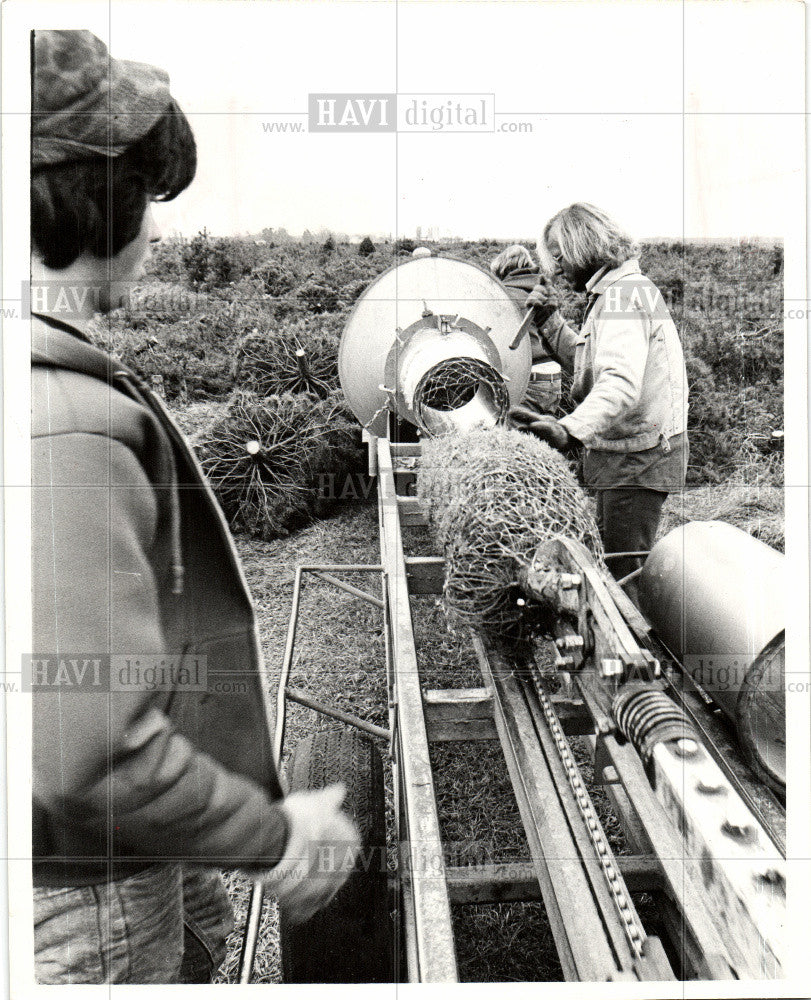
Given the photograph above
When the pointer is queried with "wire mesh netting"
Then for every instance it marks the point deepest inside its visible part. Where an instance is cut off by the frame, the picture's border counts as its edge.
(493, 496)
(456, 382)
(274, 364)
(268, 459)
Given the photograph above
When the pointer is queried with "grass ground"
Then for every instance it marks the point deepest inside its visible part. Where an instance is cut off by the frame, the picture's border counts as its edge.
(339, 658)
(757, 509)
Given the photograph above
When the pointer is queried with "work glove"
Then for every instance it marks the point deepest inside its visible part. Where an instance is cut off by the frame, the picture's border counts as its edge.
(543, 300)
(322, 847)
(542, 426)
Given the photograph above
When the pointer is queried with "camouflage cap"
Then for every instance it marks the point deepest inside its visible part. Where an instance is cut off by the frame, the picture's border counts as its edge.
(85, 103)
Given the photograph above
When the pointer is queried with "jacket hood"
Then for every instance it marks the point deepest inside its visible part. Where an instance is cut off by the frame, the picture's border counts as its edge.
(56, 344)
(61, 345)
(525, 278)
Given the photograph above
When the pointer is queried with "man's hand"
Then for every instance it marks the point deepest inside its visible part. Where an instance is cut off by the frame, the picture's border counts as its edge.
(322, 846)
(542, 426)
(543, 300)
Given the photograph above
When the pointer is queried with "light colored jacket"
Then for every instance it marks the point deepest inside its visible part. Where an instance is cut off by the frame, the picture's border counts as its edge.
(628, 366)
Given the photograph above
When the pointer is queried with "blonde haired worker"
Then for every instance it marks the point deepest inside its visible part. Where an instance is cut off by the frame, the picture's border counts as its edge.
(630, 381)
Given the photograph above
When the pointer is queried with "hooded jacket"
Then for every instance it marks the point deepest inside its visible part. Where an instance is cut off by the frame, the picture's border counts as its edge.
(161, 750)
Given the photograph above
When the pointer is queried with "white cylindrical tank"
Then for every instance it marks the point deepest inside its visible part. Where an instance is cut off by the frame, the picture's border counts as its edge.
(716, 597)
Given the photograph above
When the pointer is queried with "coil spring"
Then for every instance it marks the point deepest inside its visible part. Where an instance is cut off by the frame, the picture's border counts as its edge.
(647, 716)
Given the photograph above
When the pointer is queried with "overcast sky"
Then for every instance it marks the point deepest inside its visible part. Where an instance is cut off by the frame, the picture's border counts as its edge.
(603, 85)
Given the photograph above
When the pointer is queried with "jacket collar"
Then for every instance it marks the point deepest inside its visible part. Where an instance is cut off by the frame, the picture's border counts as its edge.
(598, 282)
(65, 345)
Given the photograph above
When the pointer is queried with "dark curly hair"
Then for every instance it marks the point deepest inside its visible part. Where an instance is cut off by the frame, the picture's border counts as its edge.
(97, 205)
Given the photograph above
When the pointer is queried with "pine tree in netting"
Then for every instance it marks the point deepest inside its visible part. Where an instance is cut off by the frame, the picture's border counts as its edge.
(298, 360)
(267, 459)
(178, 367)
(493, 497)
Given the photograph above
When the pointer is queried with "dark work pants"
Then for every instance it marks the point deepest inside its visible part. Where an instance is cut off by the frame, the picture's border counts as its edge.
(628, 517)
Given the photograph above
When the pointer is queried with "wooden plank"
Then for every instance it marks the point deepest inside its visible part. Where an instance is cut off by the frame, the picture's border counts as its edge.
(613, 638)
(411, 511)
(460, 730)
(629, 611)
(459, 714)
(516, 881)
(458, 703)
(405, 449)
(426, 574)
(424, 852)
(612, 635)
(509, 882)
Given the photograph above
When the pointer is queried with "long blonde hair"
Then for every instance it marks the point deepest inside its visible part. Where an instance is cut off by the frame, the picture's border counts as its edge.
(587, 237)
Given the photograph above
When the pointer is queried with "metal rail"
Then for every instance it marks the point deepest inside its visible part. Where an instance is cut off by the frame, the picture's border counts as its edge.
(724, 873)
(626, 911)
(678, 870)
(596, 930)
(592, 932)
(573, 916)
(732, 776)
(307, 701)
(422, 856)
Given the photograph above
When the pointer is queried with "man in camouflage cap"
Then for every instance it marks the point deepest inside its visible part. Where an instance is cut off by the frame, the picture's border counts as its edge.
(85, 103)
(141, 791)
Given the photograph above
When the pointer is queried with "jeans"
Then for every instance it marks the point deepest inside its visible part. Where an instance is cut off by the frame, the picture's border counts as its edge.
(165, 924)
(628, 518)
